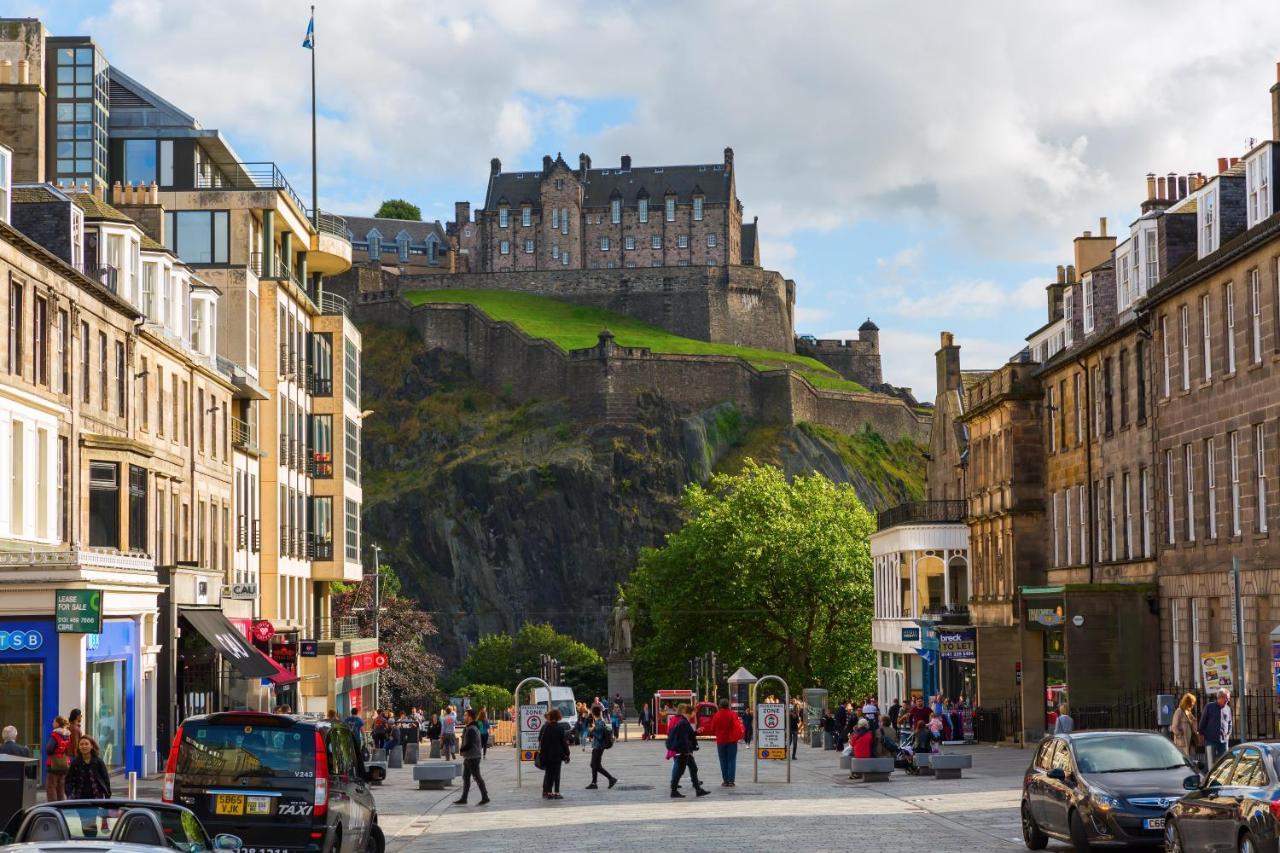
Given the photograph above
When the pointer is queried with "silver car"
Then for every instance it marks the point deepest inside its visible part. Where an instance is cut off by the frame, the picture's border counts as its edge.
(127, 826)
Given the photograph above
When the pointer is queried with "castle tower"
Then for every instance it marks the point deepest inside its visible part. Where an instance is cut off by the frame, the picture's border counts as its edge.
(869, 333)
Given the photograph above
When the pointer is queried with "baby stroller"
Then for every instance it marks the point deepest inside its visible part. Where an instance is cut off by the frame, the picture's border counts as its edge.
(904, 759)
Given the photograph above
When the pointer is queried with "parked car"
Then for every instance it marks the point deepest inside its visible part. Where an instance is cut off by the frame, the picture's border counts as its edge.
(1103, 788)
(111, 825)
(1236, 807)
(279, 782)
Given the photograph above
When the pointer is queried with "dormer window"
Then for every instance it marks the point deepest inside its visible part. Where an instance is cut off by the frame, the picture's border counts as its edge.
(1086, 290)
(1068, 305)
(402, 247)
(375, 245)
(504, 217)
(643, 209)
(1257, 187)
(526, 216)
(1152, 259)
(433, 250)
(615, 211)
(671, 208)
(697, 208)
(1208, 222)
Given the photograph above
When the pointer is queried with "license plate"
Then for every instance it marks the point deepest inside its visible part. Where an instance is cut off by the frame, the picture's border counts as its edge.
(229, 804)
(257, 805)
(1153, 823)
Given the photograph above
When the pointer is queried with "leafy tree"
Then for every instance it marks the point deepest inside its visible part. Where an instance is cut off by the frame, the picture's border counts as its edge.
(411, 673)
(398, 208)
(770, 575)
(506, 659)
(496, 699)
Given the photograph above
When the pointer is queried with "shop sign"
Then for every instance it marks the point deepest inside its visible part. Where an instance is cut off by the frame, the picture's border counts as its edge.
(77, 611)
(20, 641)
(356, 664)
(308, 648)
(530, 728)
(958, 644)
(240, 591)
(263, 630)
(771, 731)
(910, 635)
(1045, 616)
(1216, 669)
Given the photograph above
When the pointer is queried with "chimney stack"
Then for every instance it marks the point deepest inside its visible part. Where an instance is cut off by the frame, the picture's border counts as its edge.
(495, 166)
(947, 363)
(584, 166)
(1275, 105)
(728, 158)
(1151, 185)
(1162, 193)
(626, 162)
(1102, 225)
(1222, 165)
(1071, 273)
(23, 67)
(461, 212)
(546, 163)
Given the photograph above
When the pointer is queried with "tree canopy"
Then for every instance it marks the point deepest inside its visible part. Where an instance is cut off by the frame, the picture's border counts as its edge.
(506, 659)
(491, 697)
(769, 574)
(398, 208)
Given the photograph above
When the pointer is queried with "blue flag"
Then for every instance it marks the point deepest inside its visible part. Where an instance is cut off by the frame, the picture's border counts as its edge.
(310, 41)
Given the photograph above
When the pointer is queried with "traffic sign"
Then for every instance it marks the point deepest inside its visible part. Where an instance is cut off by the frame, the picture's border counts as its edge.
(771, 731)
(530, 728)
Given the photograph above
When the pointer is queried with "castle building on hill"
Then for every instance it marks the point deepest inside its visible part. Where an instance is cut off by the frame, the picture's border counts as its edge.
(613, 218)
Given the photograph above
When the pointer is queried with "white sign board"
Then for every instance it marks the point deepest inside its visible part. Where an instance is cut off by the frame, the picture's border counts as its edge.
(771, 730)
(531, 721)
(1215, 667)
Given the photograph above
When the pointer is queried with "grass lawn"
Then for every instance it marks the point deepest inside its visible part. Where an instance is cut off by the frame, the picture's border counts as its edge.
(571, 326)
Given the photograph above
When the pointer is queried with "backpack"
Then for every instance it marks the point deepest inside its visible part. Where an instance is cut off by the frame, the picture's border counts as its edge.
(607, 742)
(59, 761)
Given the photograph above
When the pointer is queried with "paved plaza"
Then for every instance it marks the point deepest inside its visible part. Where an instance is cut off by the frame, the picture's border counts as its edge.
(820, 810)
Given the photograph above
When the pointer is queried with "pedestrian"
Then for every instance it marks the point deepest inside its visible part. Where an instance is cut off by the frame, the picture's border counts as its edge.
(795, 722)
(553, 751)
(58, 762)
(1064, 724)
(682, 742)
(917, 714)
(841, 718)
(748, 720)
(1215, 727)
(11, 745)
(646, 723)
(1182, 727)
(379, 731)
(615, 720)
(448, 733)
(482, 723)
(582, 725)
(895, 710)
(471, 752)
(728, 730)
(75, 725)
(87, 777)
(602, 738)
(921, 743)
(356, 723)
(434, 728)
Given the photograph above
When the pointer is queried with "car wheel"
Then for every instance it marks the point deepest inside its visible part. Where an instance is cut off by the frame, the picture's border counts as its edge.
(1031, 834)
(376, 842)
(1172, 837)
(336, 846)
(1079, 837)
(1247, 844)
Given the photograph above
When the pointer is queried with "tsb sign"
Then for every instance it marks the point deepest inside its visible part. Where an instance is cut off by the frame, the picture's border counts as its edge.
(17, 641)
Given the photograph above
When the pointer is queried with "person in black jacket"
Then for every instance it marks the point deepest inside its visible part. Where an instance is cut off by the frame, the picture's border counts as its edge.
(682, 739)
(553, 751)
(88, 778)
(471, 753)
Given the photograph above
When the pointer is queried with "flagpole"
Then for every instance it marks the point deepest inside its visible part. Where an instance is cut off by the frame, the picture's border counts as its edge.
(315, 194)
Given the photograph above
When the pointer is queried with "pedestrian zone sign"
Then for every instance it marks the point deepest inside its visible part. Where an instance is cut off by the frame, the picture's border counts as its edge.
(771, 731)
(530, 727)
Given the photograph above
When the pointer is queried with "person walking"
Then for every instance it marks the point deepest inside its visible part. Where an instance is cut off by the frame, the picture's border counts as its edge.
(356, 723)
(471, 752)
(75, 725)
(682, 739)
(553, 751)
(1215, 727)
(602, 738)
(58, 763)
(646, 723)
(795, 722)
(88, 778)
(1064, 724)
(748, 720)
(11, 745)
(895, 709)
(482, 723)
(448, 733)
(728, 730)
(615, 720)
(1183, 726)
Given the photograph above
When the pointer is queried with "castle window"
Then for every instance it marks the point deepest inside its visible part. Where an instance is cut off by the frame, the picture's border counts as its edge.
(433, 251)
(656, 241)
(375, 246)
(564, 259)
(402, 249)
(656, 264)
(564, 221)
(711, 262)
(682, 263)
(697, 207)
(629, 243)
(528, 247)
(604, 244)
(555, 251)
(555, 218)
(504, 247)
(504, 217)
(643, 209)
(711, 241)
(559, 183)
(526, 216)
(615, 211)
(671, 208)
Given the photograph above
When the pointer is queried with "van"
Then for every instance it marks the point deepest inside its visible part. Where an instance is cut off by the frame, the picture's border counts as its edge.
(562, 699)
(282, 784)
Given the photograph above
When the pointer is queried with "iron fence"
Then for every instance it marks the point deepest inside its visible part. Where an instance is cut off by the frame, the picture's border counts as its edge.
(918, 512)
(1254, 712)
(247, 176)
(998, 722)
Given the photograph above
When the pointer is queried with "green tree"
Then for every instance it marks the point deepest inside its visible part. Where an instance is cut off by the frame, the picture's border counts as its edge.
(770, 575)
(490, 696)
(398, 208)
(506, 659)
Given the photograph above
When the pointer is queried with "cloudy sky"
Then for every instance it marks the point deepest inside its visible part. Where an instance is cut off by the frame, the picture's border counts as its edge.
(923, 163)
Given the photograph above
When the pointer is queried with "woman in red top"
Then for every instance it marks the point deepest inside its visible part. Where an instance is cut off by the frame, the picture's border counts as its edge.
(728, 730)
(862, 740)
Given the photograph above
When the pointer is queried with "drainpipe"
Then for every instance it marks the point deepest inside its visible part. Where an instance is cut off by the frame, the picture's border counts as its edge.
(1088, 464)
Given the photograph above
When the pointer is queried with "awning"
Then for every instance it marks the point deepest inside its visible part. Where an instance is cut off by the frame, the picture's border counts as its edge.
(234, 647)
(281, 676)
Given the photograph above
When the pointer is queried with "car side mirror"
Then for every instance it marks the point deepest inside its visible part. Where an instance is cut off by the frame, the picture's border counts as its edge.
(1057, 774)
(225, 841)
(1191, 783)
(375, 773)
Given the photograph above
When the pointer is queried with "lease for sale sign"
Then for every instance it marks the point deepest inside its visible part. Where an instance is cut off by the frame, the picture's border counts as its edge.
(771, 731)
(530, 727)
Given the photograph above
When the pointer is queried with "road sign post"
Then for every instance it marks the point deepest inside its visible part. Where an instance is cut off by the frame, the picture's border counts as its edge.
(772, 736)
(529, 720)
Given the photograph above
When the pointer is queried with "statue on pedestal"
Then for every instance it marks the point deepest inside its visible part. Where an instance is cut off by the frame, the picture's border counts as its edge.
(620, 629)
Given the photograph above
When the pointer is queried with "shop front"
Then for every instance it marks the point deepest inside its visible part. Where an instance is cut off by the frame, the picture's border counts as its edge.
(29, 678)
(356, 679)
(111, 682)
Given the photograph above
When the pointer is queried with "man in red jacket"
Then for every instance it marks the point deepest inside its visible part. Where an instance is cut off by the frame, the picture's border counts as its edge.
(728, 730)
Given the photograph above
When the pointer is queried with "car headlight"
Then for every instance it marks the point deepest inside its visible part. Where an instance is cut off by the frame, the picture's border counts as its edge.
(1104, 802)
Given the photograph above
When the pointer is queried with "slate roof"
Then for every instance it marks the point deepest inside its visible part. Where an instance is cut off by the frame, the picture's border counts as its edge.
(970, 378)
(34, 194)
(868, 326)
(749, 243)
(38, 252)
(360, 226)
(95, 208)
(711, 180)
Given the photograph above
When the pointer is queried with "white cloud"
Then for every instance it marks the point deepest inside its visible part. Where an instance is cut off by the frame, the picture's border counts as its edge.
(807, 317)
(902, 263)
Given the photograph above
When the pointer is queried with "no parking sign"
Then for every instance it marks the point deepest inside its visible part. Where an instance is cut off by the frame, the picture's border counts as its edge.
(771, 731)
(530, 727)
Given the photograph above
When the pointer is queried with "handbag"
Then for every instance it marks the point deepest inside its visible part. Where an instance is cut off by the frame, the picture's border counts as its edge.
(537, 760)
(59, 763)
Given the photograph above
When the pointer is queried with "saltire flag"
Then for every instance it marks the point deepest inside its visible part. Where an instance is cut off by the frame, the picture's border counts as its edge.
(310, 41)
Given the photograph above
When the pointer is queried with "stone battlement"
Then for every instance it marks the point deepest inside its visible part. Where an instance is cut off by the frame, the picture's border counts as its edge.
(838, 344)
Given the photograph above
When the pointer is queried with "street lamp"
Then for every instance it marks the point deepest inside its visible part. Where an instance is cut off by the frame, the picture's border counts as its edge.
(377, 611)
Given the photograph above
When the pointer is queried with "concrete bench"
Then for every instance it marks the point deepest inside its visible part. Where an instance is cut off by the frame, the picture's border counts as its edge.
(844, 761)
(949, 766)
(924, 762)
(436, 775)
(872, 769)
(381, 764)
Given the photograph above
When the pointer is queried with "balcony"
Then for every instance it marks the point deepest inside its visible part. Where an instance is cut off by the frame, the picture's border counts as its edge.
(321, 549)
(246, 176)
(255, 536)
(242, 435)
(332, 303)
(338, 628)
(922, 512)
(321, 465)
(109, 277)
(242, 533)
(319, 386)
(330, 246)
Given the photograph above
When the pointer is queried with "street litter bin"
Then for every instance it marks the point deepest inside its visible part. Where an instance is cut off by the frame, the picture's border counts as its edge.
(19, 781)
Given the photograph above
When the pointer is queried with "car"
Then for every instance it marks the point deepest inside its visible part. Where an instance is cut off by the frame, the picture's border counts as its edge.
(111, 825)
(566, 703)
(283, 784)
(1102, 788)
(1236, 806)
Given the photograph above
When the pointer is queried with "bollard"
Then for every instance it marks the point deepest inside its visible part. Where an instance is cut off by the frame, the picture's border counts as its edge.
(411, 753)
(395, 758)
(131, 785)
(380, 755)
(815, 739)
(828, 740)
(435, 748)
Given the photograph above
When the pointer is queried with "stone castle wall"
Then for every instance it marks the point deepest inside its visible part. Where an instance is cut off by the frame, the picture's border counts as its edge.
(740, 305)
(604, 382)
(855, 360)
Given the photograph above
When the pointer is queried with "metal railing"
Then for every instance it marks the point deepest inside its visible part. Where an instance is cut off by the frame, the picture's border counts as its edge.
(242, 533)
(321, 465)
(330, 223)
(998, 722)
(246, 176)
(109, 276)
(319, 386)
(255, 536)
(332, 303)
(241, 433)
(921, 512)
(338, 628)
(1254, 712)
(321, 549)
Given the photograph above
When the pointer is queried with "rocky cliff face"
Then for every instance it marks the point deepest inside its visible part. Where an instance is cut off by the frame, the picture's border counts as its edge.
(494, 513)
